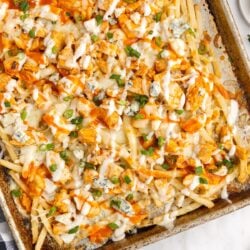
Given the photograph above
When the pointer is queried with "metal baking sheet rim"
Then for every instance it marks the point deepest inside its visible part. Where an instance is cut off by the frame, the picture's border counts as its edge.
(160, 233)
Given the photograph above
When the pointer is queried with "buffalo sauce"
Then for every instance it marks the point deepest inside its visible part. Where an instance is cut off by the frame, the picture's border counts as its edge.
(12, 4)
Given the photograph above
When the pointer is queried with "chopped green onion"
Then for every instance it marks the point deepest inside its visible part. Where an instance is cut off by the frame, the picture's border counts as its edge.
(110, 35)
(179, 111)
(130, 1)
(63, 155)
(46, 147)
(99, 19)
(24, 6)
(113, 226)
(114, 180)
(89, 165)
(78, 120)
(73, 230)
(203, 180)
(165, 166)
(24, 16)
(150, 32)
(122, 102)
(96, 192)
(68, 113)
(68, 13)
(118, 80)
(52, 211)
(199, 170)
(157, 17)
(228, 163)
(145, 137)
(73, 134)
(202, 50)
(127, 179)
(220, 146)
(132, 52)
(115, 203)
(142, 99)
(158, 41)
(160, 141)
(148, 152)
(7, 104)
(130, 197)
(32, 33)
(94, 38)
(23, 114)
(53, 167)
(16, 192)
(14, 52)
(54, 50)
(191, 32)
(67, 98)
(139, 116)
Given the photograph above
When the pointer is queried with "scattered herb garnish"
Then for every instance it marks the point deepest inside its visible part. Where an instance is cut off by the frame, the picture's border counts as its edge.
(139, 116)
(73, 134)
(202, 50)
(73, 230)
(115, 203)
(165, 166)
(68, 98)
(127, 179)
(99, 19)
(7, 104)
(113, 226)
(76, 121)
(191, 32)
(63, 155)
(24, 16)
(132, 52)
(16, 192)
(54, 50)
(203, 180)
(23, 114)
(110, 35)
(130, 197)
(142, 99)
(96, 192)
(160, 141)
(198, 170)
(68, 113)
(46, 147)
(130, 1)
(89, 165)
(24, 5)
(52, 211)
(53, 167)
(118, 80)
(94, 38)
(157, 17)
(32, 33)
(114, 180)
(158, 41)
(179, 111)
(148, 152)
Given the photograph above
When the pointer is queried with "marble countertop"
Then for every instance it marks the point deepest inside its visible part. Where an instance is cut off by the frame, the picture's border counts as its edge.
(232, 231)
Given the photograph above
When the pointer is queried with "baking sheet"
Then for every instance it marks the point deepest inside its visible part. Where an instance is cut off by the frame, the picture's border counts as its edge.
(234, 46)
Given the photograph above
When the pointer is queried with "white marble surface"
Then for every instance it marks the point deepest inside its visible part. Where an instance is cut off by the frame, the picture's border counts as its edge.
(231, 232)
